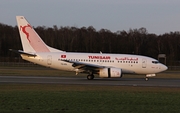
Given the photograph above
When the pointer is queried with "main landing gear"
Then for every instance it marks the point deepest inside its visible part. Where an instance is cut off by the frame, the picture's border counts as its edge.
(90, 77)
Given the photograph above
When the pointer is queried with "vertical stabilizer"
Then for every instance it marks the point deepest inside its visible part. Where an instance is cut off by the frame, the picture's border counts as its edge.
(31, 41)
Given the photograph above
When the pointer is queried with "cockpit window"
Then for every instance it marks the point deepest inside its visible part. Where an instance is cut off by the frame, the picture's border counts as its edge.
(155, 62)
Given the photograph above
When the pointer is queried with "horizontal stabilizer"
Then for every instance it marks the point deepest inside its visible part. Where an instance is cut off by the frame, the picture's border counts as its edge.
(22, 52)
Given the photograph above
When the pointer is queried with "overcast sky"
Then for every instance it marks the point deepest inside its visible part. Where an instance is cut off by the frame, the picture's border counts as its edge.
(157, 16)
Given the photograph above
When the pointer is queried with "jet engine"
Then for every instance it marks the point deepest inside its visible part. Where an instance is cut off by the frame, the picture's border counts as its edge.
(110, 73)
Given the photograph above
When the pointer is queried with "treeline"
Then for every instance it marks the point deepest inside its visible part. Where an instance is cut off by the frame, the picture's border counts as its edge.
(134, 41)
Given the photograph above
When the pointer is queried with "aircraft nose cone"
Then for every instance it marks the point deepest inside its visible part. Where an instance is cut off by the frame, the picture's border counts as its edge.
(164, 68)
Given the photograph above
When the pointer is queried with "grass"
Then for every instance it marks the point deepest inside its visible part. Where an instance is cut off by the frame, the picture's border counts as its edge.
(40, 98)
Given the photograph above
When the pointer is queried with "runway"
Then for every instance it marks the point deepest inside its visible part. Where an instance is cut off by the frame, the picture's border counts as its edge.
(153, 82)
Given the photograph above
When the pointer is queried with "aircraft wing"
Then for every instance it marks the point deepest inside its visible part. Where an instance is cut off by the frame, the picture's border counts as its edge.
(85, 67)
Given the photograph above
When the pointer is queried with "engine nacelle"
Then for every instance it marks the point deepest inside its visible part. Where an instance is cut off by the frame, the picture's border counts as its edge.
(110, 72)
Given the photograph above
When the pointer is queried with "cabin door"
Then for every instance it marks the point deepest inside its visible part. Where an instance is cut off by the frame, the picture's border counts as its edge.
(49, 60)
(144, 63)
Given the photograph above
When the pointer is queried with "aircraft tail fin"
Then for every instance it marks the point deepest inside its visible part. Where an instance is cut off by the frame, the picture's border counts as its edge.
(31, 41)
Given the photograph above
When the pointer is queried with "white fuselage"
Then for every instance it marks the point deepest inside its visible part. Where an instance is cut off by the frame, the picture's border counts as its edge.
(128, 63)
(106, 65)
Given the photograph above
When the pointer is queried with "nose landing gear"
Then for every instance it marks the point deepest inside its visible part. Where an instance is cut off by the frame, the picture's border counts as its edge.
(149, 75)
(146, 78)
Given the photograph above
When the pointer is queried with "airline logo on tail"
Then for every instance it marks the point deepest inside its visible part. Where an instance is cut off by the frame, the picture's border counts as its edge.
(23, 28)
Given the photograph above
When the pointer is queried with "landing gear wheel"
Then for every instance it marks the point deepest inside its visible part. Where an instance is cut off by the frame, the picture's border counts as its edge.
(147, 79)
(90, 77)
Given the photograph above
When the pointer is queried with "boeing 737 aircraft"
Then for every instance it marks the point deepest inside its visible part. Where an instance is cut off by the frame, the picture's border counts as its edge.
(105, 65)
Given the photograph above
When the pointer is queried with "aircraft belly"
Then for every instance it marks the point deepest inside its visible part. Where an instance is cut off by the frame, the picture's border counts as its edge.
(62, 66)
(127, 71)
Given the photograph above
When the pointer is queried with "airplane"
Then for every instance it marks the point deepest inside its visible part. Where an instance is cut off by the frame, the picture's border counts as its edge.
(103, 64)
